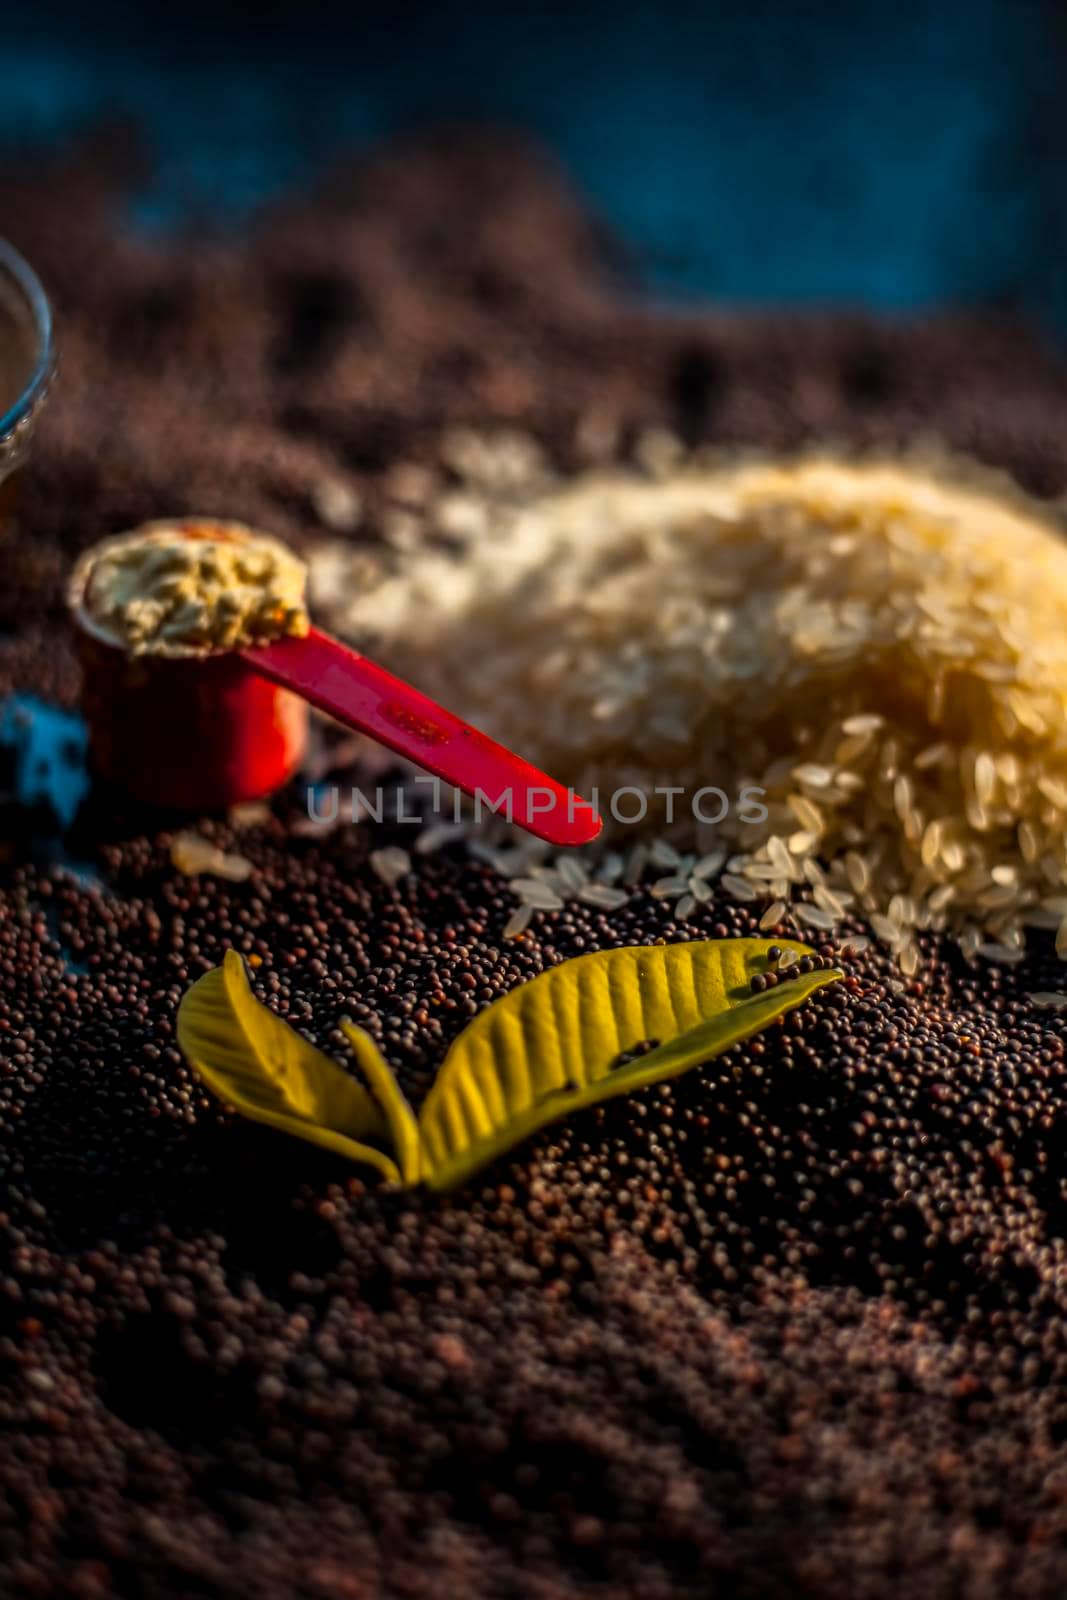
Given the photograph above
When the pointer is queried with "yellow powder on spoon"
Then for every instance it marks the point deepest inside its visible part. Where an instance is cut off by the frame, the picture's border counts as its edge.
(180, 588)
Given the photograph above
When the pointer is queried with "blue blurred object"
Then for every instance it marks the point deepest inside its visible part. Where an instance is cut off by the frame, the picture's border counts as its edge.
(46, 748)
(905, 157)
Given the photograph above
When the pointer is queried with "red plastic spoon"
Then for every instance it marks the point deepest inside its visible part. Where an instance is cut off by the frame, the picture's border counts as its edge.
(358, 692)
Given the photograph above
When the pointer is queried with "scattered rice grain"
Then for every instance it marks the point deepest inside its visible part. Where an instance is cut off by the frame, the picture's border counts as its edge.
(390, 864)
(814, 916)
(603, 895)
(518, 922)
(668, 888)
(533, 892)
(1049, 1000)
(738, 888)
(192, 854)
(773, 915)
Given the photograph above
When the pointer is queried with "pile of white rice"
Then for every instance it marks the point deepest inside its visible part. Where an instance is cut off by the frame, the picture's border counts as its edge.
(881, 646)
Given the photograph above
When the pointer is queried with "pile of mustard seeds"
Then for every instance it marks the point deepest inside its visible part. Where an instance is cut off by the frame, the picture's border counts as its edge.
(793, 1325)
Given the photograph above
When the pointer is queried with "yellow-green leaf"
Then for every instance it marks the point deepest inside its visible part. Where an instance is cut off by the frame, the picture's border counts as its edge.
(547, 1048)
(254, 1061)
(398, 1114)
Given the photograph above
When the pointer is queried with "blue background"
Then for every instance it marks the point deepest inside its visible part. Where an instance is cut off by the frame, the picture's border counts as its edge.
(905, 157)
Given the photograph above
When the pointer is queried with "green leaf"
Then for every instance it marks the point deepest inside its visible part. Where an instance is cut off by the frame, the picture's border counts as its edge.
(547, 1048)
(255, 1062)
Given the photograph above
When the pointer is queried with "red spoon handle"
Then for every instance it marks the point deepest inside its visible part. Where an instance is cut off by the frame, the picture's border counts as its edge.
(363, 695)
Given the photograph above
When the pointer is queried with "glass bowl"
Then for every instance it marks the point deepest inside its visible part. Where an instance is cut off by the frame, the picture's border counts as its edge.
(27, 355)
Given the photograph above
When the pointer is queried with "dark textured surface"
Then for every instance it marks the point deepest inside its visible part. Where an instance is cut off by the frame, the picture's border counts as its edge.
(793, 1326)
(897, 157)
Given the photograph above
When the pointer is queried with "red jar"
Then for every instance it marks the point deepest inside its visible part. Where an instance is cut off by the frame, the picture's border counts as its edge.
(196, 732)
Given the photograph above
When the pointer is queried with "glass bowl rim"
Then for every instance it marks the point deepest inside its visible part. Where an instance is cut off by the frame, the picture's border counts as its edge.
(28, 283)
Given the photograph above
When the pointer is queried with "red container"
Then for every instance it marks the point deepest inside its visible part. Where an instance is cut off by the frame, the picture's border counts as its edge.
(193, 732)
